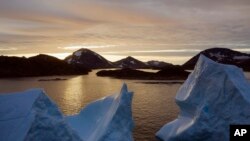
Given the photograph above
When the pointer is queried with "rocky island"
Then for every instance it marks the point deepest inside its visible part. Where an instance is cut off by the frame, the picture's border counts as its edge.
(168, 73)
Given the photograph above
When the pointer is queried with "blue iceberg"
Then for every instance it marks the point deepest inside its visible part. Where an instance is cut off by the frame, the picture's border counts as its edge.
(107, 119)
(33, 116)
(213, 97)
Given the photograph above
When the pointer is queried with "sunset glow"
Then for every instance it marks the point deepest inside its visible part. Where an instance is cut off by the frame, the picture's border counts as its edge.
(170, 28)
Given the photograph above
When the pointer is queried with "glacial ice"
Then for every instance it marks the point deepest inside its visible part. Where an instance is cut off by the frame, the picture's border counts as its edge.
(107, 119)
(213, 97)
(32, 116)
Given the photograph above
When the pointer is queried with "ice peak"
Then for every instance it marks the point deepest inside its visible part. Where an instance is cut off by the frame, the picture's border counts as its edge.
(107, 119)
(124, 88)
(213, 97)
(31, 115)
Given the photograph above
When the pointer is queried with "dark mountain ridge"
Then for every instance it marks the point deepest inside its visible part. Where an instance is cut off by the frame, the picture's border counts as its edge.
(88, 59)
(81, 61)
(130, 62)
(224, 56)
(40, 65)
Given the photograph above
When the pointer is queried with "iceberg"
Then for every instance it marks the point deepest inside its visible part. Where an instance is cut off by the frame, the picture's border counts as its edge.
(107, 119)
(32, 116)
(212, 98)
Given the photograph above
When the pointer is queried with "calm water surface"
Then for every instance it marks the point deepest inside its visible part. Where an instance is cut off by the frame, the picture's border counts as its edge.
(153, 104)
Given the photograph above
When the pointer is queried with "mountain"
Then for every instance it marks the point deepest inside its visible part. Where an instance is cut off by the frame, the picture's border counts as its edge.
(89, 59)
(40, 65)
(130, 62)
(157, 64)
(224, 56)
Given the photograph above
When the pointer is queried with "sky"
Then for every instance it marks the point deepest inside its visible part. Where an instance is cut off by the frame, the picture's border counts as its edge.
(167, 30)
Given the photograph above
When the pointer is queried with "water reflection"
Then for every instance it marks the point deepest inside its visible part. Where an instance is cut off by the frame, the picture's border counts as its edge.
(153, 104)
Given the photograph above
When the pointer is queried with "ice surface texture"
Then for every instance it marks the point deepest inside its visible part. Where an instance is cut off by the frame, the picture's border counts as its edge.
(213, 97)
(32, 116)
(107, 119)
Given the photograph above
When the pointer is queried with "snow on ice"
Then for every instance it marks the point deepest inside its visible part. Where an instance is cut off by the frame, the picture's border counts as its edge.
(213, 97)
(107, 119)
(32, 116)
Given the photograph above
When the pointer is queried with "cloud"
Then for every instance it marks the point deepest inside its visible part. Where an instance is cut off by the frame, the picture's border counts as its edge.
(243, 49)
(8, 49)
(115, 25)
(74, 47)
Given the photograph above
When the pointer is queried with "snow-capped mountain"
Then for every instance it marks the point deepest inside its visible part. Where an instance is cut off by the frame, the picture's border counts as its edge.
(130, 62)
(88, 59)
(222, 55)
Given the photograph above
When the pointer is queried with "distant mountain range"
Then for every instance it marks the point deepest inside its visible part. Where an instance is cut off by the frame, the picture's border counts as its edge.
(83, 60)
(92, 60)
(130, 62)
(224, 56)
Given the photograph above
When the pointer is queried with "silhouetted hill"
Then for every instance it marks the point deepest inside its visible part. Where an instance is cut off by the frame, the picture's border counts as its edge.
(128, 73)
(173, 70)
(130, 62)
(88, 59)
(40, 65)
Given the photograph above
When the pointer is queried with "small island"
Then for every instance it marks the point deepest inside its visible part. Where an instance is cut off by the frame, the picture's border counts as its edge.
(53, 79)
